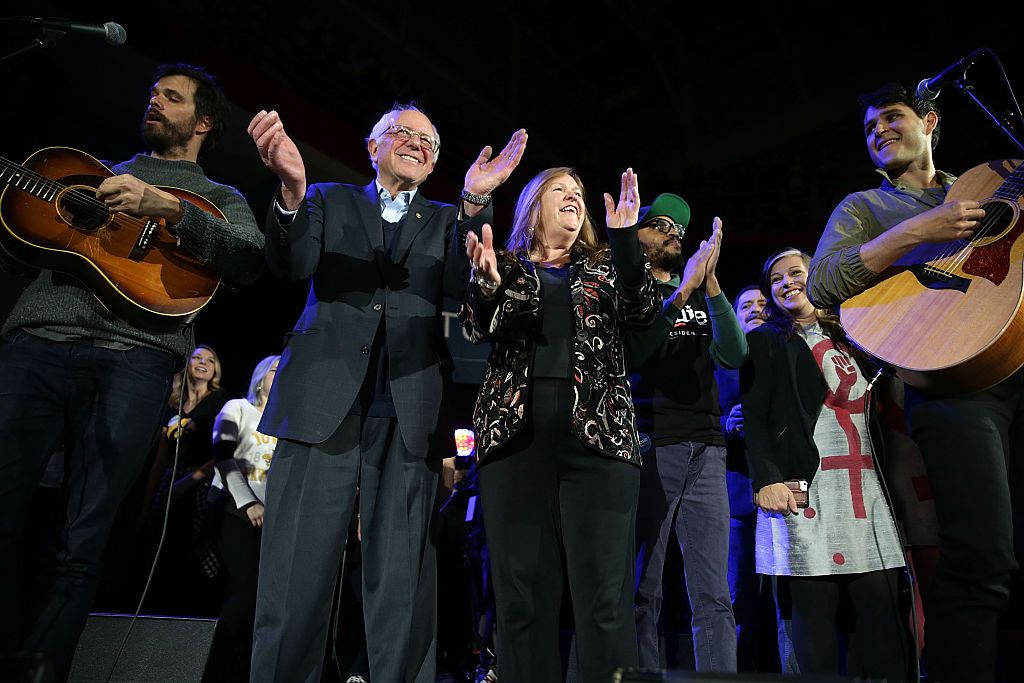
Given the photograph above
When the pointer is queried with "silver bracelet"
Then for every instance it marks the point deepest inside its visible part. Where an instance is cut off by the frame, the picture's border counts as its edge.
(478, 199)
(490, 286)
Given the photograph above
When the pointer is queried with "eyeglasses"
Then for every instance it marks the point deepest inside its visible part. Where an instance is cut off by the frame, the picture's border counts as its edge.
(403, 134)
(667, 227)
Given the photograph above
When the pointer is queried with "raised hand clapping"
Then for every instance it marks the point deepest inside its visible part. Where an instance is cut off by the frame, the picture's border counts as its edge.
(627, 211)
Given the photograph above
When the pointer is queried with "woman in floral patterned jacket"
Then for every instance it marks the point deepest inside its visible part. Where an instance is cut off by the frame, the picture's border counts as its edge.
(559, 475)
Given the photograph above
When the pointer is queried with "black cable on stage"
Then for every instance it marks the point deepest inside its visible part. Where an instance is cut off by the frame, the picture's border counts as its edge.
(911, 575)
(185, 385)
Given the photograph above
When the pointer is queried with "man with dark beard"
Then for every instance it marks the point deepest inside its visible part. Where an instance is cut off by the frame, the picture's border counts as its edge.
(75, 374)
(682, 484)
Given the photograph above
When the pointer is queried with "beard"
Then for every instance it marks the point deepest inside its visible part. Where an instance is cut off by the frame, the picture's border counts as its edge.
(666, 259)
(165, 135)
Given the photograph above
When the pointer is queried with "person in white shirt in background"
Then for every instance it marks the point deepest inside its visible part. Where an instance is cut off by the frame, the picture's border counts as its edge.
(242, 458)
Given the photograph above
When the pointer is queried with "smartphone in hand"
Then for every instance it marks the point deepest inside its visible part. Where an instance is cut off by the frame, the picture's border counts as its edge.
(799, 489)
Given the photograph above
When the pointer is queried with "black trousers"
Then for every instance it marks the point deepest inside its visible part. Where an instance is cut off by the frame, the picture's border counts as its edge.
(967, 444)
(104, 405)
(238, 543)
(882, 638)
(311, 492)
(549, 500)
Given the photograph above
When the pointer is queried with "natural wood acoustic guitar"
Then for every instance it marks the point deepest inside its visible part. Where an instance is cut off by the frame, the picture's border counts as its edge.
(950, 319)
(51, 219)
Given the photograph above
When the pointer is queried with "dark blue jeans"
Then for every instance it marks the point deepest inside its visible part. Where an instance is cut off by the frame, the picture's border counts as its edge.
(104, 406)
(743, 582)
(683, 486)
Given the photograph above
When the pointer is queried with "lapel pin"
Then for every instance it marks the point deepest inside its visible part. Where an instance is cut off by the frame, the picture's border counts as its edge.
(419, 215)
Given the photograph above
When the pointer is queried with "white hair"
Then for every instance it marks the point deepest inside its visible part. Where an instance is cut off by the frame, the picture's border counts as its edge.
(385, 122)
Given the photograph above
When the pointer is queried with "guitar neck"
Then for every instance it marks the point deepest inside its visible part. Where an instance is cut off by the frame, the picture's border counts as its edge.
(29, 181)
(1013, 186)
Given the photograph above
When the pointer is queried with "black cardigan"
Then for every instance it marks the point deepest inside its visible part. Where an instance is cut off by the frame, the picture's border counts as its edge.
(783, 392)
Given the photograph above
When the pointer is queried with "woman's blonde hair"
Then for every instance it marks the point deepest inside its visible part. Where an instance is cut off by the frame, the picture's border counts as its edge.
(214, 384)
(257, 394)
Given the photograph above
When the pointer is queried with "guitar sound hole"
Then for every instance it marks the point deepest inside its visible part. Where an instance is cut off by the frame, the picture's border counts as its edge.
(80, 208)
(999, 216)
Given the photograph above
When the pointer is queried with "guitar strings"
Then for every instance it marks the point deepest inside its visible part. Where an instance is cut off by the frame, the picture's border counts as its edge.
(989, 224)
(960, 255)
(92, 207)
(41, 181)
(1010, 190)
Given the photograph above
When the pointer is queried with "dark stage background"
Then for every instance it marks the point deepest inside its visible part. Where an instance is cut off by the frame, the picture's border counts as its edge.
(746, 109)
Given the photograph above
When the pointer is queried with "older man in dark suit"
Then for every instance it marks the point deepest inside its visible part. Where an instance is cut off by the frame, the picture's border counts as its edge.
(358, 391)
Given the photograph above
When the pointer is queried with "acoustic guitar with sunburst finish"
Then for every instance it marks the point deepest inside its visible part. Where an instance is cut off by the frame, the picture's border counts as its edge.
(52, 219)
(949, 319)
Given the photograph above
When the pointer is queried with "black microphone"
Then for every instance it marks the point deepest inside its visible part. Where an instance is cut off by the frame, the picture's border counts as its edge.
(113, 33)
(929, 88)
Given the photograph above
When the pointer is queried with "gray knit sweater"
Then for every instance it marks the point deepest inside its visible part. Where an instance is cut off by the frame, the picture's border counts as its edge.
(60, 304)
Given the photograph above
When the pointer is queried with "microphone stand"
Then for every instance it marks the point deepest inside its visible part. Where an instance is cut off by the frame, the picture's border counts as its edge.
(967, 89)
(46, 37)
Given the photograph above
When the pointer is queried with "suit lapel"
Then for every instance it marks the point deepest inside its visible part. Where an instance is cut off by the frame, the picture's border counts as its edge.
(420, 213)
(369, 214)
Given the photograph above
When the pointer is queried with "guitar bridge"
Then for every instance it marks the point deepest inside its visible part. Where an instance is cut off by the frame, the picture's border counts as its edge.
(935, 278)
(146, 234)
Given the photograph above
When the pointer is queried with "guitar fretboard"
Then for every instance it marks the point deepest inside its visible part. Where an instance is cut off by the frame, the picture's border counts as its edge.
(1013, 187)
(29, 181)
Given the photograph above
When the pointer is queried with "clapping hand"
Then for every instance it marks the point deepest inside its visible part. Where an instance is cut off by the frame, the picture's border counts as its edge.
(280, 155)
(486, 174)
(702, 262)
(693, 275)
(627, 211)
(711, 286)
(484, 262)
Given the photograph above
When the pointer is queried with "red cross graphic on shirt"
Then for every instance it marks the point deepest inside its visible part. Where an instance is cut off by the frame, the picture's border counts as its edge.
(844, 407)
(854, 464)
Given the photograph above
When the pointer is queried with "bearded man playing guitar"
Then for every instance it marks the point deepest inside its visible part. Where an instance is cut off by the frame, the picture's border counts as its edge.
(79, 376)
(870, 244)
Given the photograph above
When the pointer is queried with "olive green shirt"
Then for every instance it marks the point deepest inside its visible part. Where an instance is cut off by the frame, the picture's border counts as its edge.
(837, 271)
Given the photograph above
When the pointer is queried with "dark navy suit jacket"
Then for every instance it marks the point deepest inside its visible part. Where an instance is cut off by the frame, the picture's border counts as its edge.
(336, 241)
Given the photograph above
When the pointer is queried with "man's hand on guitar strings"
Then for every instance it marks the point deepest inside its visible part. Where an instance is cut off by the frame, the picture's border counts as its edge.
(955, 220)
(128, 194)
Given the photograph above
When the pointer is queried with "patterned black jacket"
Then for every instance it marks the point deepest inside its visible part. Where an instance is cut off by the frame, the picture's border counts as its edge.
(609, 289)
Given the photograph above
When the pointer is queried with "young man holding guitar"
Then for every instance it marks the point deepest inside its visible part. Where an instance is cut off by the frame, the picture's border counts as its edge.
(78, 376)
(898, 243)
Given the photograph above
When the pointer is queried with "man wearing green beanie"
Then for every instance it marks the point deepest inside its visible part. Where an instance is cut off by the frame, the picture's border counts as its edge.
(683, 481)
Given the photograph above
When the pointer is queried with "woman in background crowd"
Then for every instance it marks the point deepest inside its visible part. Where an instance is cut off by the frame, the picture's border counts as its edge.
(187, 581)
(241, 457)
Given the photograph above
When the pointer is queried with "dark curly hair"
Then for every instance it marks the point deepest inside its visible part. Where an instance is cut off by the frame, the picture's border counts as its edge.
(209, 98)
